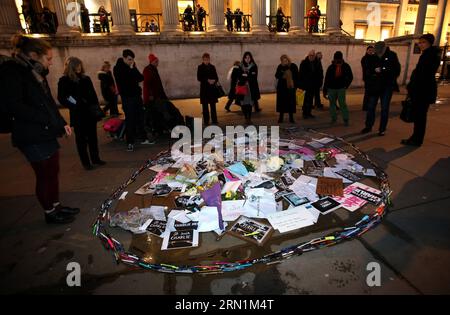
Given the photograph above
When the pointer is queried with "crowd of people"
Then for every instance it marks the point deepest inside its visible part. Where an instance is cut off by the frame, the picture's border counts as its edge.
(35, 123)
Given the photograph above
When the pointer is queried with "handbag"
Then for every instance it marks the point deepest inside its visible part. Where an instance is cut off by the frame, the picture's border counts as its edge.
(407, 113)
(241, 90)
(219, 90)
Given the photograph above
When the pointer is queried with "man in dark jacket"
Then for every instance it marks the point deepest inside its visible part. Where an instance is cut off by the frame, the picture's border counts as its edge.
(383, 74)
(337, 80)
(366, 61)
(422, 88)
(318, 80)
(128, 78)
(309, 75)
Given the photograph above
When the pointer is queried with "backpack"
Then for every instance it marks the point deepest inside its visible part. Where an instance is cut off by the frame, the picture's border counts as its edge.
(6, 118)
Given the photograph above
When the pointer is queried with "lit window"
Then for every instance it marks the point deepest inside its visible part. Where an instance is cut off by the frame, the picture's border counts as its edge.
(385, 33)
(360, 32)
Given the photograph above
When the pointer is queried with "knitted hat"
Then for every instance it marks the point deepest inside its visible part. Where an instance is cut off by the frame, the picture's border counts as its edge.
(152, 58)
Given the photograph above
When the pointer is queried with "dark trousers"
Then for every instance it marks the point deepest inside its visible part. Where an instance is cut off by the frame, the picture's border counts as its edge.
(308, 102)
(206, 115)
(111, 105)
(86, 137)
(134, 118)
(291, 117)
(257, 109)
(317, 100)
(420, 122)
(365, 100)
(385, 100)
(247, 110)
(47, 184)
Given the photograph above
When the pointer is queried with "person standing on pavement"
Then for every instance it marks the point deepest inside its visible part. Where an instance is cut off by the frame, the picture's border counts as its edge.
(338, 78)
(109, 89)
(384, 73)
(308, 77)
(287, 78)
(207, 76)
(422, 87)
(37, 122)
(128, 78)
(318, 78)
(233, 74)
(77, 93)
(248, 76)
(366, 61)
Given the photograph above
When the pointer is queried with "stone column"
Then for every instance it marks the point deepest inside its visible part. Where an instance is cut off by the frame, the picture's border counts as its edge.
(259, 17)
(400, 19)
(9, 18)
(171, 17)
(421, 15)
(120, 13)
(297, 17)
(68, 18)
(333, 16)
(216, 16)
(439, 21)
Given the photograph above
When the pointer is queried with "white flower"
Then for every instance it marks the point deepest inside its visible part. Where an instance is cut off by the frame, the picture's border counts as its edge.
(274, 163)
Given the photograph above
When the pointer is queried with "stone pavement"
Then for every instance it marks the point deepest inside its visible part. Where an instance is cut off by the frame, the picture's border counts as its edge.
(412, 244)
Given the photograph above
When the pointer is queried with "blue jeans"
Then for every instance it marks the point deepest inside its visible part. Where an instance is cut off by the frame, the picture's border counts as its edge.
(385, 100)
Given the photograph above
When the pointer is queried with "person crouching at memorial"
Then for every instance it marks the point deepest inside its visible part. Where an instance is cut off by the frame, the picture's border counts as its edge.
(109, 89)
(387, 71)
(422, 88)
(37, 122)
(338, 78)
(248, 77)
(232, 76)
(287, 75)
(207, 76)
(76, 92)
(128, 78)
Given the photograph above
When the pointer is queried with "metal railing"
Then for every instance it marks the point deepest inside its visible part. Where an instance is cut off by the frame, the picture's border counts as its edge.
(146, 22)
(189, 23)
(276, 26)
(97, 23)
(239, 22)
(313, 27)
(40, 23)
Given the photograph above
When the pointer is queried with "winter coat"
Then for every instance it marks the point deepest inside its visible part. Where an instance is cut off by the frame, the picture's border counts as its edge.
(286, 97)
(108, 87)
(234, 79)
(310, 75)
(153, 87)
(251, 79)
(83, 92)
(208, 92)
(36, 116)
(127, 79)
(422, 87)
(373, 81)
(390, 69)
(341, 82)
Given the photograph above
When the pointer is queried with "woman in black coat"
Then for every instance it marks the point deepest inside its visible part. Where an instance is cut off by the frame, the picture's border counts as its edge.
(422, 88)
(207, 76)
(76, 92)
(36, 123)
(233, 77)
(287, 77)
(248, 76)
(109, 90)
